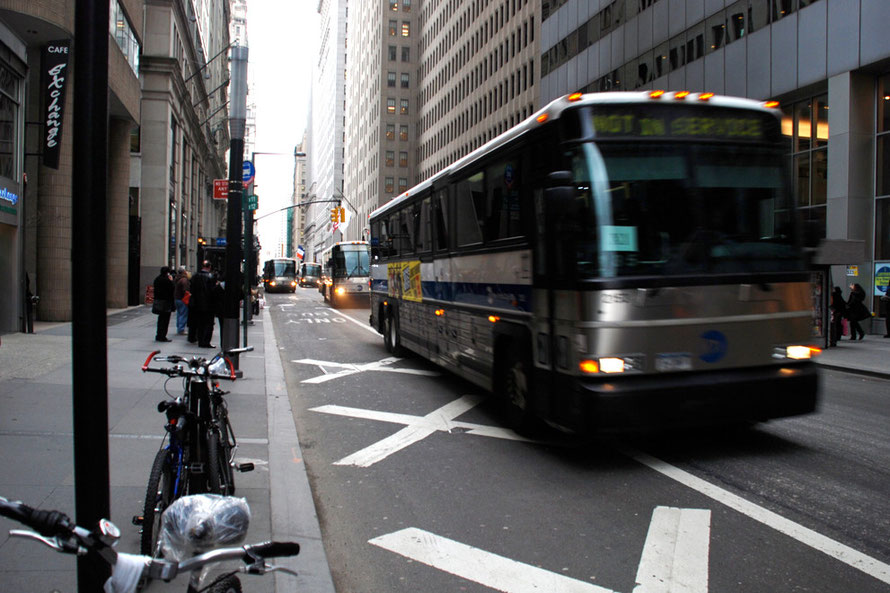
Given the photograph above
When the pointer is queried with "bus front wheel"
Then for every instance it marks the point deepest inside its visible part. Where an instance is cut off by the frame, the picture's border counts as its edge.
(516, 390)
(391, 333)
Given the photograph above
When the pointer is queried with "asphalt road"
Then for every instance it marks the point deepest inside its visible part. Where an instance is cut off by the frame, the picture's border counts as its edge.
(420, 487)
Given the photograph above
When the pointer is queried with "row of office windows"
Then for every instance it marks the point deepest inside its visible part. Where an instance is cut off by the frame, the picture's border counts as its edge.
(390, 132)
(712, 33)
(805, 124)
(470, 145)
(395, 30)
(882, 171)
(397, 5)
(390, 159)
(404, 79)
(393, 52)
(391, 106)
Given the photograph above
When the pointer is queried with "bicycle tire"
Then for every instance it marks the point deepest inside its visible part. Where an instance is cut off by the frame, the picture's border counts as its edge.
(158, 496)
(230, 584)
(218, 469)
(225, 439)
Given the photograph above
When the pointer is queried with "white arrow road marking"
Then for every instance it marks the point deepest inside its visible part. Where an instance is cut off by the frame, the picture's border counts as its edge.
(479, 566)
(416, 428)
(675, 556)
(351, 369)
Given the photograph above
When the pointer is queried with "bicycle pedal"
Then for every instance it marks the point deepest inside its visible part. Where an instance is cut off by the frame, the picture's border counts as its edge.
(244, 467)
(138, 519)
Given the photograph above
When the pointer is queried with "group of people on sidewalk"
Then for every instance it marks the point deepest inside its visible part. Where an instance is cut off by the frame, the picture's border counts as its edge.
(196, 299)
(851, 312)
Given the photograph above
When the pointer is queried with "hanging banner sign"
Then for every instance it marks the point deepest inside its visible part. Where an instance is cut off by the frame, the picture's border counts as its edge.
(54, 67)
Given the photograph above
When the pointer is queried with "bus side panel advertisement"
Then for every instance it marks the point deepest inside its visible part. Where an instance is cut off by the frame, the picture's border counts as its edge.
(404, 280)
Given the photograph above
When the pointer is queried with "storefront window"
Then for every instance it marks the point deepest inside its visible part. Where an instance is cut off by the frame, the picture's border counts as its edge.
(9, 117)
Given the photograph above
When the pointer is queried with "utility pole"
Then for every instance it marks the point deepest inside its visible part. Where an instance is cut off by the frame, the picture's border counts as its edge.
(237, 120)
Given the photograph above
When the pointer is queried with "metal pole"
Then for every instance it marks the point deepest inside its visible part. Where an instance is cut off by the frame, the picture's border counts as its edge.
(237, 119)
(248, 250)
(88, 270)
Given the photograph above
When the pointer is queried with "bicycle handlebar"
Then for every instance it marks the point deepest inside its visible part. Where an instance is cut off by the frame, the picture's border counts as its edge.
(198, 366)
(47, 523)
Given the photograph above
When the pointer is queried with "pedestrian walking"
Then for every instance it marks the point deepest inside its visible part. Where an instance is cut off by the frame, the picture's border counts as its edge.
(201, 306)
(838, 308)
(181, 296)
(163, 303)
(857, 311)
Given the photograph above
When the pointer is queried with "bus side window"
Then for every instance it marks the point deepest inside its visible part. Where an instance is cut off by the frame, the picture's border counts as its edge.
(440, 224)
(470, 209)
(422, 242)
(503, 209)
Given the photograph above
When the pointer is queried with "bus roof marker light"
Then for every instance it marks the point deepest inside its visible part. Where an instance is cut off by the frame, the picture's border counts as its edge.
(494, 318)
(656, 94)
(542, 118)
(440, 312)
(680, 95)
(705, 96)
(771, 104)
(575, 96)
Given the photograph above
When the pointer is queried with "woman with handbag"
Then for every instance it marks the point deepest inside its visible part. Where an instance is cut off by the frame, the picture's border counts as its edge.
(163, 303)
(857, 311)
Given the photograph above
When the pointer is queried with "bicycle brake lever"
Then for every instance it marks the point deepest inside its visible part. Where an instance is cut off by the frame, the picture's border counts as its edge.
(55, 543)
(273, 568)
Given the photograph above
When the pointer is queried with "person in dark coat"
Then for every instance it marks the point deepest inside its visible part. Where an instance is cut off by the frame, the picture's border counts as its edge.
(201, 307)
(856, 311)
(838, 308)
(163, 303)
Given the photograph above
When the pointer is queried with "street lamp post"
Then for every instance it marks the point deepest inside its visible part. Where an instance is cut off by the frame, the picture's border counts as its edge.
(237, 120)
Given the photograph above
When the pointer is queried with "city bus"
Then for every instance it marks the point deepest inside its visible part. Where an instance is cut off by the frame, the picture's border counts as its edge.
(345, 272)
(280, 275)
(310, 274)
(616, 262)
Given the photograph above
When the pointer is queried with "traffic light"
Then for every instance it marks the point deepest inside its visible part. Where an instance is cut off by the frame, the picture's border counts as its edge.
(342, 214)
(335, 215)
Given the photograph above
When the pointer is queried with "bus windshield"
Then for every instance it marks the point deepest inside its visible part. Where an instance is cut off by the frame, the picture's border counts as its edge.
(351, 262)
(680, 208)
(311, 269)
(281, 268)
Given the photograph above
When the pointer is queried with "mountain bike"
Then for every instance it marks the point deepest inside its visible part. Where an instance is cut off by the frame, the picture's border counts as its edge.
(194, 529)
(199, 454)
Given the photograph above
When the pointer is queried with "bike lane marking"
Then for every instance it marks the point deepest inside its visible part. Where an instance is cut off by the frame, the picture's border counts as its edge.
(674, 558)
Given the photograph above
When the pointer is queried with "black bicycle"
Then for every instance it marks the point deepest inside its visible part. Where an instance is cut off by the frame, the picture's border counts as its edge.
(194, 528)
(198, 455)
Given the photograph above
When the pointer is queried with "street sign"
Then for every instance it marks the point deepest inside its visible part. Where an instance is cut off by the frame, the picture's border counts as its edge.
(248, 172)
(250, 202)
(220, 189)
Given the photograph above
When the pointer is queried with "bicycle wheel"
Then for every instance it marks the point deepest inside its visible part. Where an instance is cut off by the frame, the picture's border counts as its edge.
(230, 584)
(158, 496)
(219, 472)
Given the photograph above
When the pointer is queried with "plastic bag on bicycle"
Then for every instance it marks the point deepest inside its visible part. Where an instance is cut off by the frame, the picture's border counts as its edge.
(201, 522)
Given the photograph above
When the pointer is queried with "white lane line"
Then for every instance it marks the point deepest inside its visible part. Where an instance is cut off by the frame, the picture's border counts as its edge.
(364, 325)
(479, 566)
(675, 556)
(351, 369)
(854, 558)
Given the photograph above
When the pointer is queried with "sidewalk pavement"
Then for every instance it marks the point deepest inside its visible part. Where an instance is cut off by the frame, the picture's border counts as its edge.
(37, 461)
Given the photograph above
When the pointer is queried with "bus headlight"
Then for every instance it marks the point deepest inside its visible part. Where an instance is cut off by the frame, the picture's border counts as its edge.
(796, 352)
(272, 283)
(612, 364)
(340, 291)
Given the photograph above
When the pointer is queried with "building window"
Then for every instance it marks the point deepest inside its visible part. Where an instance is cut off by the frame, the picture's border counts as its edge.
(806, 125)
(403, 106)
(391, 79)
(388, 185)
(392, 28)
(390, 105)
(390, 131)
(124, 36)
(403, 158)
(406, 54)
(406, 29)
(392, 53)
(406, 5)
(10, 85)
(404, 80)
(390, 158)
(403, 132)
(403, 184)
(393, 5)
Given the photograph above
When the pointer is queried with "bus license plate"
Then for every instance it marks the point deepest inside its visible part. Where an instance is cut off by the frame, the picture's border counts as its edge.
(673, 361)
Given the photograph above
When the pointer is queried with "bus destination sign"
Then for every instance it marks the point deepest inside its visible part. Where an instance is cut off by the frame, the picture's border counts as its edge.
(681, 124)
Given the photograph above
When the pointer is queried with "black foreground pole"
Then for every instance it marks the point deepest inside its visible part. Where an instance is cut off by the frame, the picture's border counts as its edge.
(229, 337)
(88, 272)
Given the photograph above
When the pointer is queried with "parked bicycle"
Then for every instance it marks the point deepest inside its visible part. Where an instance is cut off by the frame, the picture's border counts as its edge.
(199, 455)
(193, 529)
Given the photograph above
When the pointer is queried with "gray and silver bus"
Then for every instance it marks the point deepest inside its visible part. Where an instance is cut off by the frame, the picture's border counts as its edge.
(345, 273)
(618, 261)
